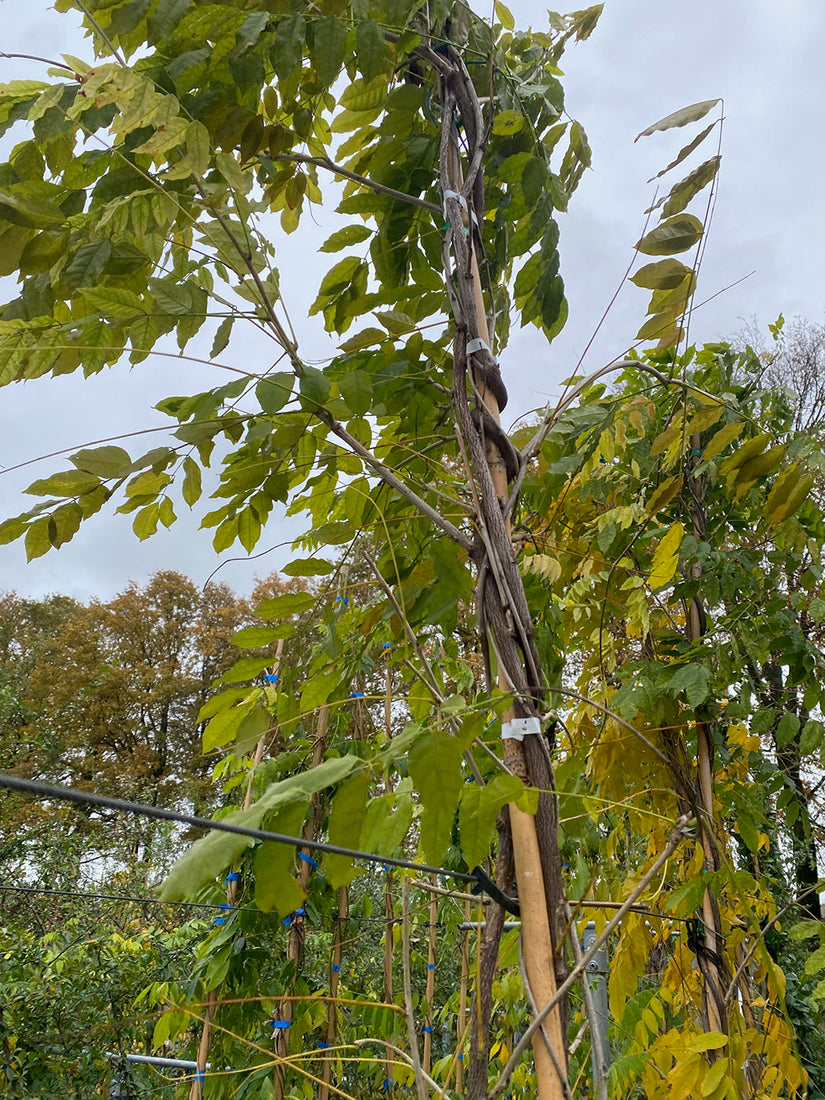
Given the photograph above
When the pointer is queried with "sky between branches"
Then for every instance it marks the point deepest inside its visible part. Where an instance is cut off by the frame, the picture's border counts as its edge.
(644, 60)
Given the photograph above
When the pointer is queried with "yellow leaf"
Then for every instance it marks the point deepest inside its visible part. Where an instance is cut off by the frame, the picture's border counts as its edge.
(709, 1040)
(721, 439)
(666, 557)
(663, 494)
(714, 1077)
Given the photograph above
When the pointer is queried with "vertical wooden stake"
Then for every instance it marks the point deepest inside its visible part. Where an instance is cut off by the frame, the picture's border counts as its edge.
(334, 979)
(430, 987)
(461, 1022)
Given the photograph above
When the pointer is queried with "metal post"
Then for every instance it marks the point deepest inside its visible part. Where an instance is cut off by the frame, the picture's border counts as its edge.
(597, 981)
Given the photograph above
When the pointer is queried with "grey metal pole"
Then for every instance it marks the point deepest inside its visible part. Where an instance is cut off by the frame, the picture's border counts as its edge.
(597, 981)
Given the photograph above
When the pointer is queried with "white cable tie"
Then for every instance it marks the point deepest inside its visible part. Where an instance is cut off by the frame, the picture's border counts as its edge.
(478, 345)
(462, 202)
(517, 728)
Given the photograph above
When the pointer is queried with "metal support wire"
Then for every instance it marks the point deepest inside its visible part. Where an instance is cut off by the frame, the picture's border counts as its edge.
(141, 809)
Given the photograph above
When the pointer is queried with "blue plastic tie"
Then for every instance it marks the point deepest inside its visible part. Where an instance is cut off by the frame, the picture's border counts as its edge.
(388, 1082)
(343, 600)
(308, 859)
(387, 645)
(323, 1046)
(428, 1030)
(281, 1025)
(471, 779)
(225, 905)
(356, 695)
(199, 1075)
(460, 1057)
(431, 966)
(271, 677)
(233, 876)
(695, 452)
(295, 913)
(336, 968)
(220, 920)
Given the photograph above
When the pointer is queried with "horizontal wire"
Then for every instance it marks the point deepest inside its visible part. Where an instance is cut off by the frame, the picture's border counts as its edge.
(140, 809)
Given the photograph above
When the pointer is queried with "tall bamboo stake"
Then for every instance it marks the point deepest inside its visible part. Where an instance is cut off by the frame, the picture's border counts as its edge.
(530, 875)
(430, 987)
(461, 1021)
(334, 979)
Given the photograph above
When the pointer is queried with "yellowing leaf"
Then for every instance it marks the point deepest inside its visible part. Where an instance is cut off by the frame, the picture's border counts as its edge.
(721, 440)
(664, 494)
(666, 557)
(710, 1040)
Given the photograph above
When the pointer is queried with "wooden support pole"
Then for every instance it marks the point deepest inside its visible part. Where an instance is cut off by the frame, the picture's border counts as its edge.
(536, 930)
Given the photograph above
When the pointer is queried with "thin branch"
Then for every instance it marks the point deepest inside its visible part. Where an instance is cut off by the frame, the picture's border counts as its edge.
(339, 170)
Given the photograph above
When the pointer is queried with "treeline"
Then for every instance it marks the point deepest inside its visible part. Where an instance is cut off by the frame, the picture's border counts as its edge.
(105, 696)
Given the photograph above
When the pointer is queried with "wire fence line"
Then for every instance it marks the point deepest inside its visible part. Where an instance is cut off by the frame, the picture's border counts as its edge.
(48, 791)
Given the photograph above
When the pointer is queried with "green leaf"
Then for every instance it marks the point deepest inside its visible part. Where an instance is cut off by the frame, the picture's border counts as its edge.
(212, 854)
(145, 523)
(315, 387)
(222, 336)
(342, 238)
(67, 483)
(786, 730)
(245, 669)
(674, 235)
(371, 50)
(356, 389)
(504, 15)
(435, 767)
(39, 538)
(192, 480)
(274, 391)
(477, 814)
(317, 689)
(693, 680)
(685, 152)
(805, 930)
(104, 461)
(327, 52)
(275, 886)
(308, 567)
(281, 607)
(87, 264)
(663, 275)
(25, 204)
(811, 737)
(249, 529)
(251, 637)
(685, 191)
(508, 122)
(682, 117)
(345, 823)
(289, 45)
(721, 439)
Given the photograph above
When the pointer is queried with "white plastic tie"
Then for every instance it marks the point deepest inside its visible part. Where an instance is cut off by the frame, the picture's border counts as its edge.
(518, 728)
(479, 345)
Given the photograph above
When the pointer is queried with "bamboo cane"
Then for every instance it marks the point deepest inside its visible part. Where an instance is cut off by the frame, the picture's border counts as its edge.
(536, 934)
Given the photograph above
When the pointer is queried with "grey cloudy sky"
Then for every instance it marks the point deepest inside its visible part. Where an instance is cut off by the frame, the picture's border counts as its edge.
(646, 58)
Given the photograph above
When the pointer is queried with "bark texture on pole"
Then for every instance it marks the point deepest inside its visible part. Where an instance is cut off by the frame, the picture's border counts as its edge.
(504, 616)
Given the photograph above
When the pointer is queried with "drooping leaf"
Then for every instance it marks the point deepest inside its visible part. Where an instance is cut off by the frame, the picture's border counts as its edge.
(677, 234)
(666, 557)
(682, 117)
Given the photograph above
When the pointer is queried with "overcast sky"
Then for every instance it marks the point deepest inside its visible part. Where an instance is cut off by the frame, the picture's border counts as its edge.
(646, 58)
